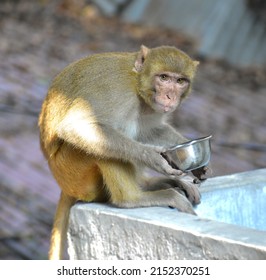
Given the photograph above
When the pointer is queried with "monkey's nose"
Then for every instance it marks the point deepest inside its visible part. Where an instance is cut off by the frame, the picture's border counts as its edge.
(170, 96)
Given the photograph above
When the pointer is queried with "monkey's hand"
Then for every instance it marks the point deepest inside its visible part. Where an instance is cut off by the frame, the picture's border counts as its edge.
(152, 157)
(169, 159)
(190, 188)
(201, 173)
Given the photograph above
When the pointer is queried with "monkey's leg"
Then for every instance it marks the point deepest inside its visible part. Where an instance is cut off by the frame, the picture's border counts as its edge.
(77, 174)
(158, 183)
(80, 179)
(184, 185)
(120, 179)
(58, 236)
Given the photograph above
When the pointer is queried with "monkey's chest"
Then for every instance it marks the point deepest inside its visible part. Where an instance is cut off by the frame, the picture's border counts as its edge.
(129, 128)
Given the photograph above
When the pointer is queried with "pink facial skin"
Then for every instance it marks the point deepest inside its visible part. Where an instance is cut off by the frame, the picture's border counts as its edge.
(168, 91)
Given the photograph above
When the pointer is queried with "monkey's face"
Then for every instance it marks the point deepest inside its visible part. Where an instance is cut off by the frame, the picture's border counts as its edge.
(165, 75)
(168, 90)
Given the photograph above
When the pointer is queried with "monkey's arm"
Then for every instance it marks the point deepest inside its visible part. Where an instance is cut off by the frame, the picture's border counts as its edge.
(165, 136)
(103, 141)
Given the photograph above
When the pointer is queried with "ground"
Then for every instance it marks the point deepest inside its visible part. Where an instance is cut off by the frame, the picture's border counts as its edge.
(39, 38)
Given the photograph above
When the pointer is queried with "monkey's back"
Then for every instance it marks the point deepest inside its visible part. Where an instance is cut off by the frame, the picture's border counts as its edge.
(107, 70)
(99, 81)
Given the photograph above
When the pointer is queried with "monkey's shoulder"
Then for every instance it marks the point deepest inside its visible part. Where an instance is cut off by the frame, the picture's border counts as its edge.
(104, 68)
(101, 60)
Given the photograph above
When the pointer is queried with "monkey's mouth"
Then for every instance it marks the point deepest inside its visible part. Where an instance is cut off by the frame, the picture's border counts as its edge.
(161, 105)
(166, 108)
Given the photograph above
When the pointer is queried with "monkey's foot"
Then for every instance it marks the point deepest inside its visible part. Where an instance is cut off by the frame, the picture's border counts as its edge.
(190, 189)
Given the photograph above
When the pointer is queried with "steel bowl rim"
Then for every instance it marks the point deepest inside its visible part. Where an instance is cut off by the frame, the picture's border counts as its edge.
(189, 143)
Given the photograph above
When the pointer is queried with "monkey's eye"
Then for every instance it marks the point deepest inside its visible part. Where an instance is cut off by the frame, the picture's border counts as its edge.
(164, 77)
(181, 81)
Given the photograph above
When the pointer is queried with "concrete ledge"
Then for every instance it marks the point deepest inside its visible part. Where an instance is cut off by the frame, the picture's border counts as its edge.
(98, 231)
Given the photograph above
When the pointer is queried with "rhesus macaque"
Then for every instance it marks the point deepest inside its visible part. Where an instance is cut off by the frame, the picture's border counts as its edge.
(104, 120)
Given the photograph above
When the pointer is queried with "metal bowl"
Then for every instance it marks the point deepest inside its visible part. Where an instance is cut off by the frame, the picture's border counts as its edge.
(193, 154)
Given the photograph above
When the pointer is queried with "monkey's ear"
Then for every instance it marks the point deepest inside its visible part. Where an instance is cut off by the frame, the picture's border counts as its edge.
(142, 54)
(196, 63)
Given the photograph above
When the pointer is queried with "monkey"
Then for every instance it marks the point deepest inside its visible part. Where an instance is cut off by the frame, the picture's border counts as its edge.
(104, 120)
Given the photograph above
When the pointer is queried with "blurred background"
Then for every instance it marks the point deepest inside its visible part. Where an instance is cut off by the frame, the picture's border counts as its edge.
(39, 38)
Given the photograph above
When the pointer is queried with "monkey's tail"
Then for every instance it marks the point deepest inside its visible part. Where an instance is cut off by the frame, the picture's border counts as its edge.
(60, 225)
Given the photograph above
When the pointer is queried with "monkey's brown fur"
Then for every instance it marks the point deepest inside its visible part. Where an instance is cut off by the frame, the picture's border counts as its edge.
(104, 120)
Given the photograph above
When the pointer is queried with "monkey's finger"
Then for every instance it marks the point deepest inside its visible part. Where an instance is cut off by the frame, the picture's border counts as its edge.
(208, 171)
(201, 173)
(160, 150)
(181, 202)
(170, 161)
(197, 181)
(177, 173)
(157, 149)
